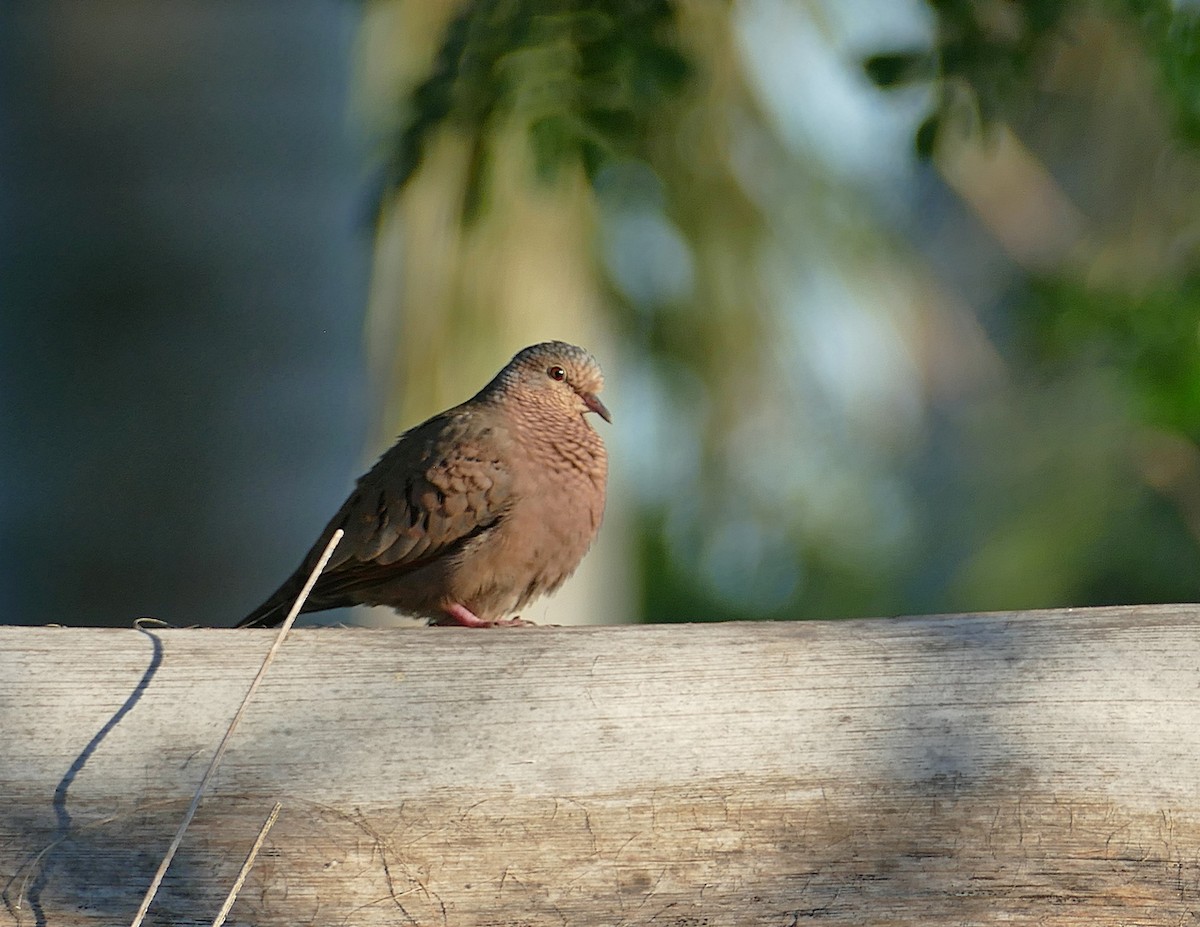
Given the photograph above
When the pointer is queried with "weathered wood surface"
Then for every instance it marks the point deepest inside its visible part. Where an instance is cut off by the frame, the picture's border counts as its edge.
(1038, 768)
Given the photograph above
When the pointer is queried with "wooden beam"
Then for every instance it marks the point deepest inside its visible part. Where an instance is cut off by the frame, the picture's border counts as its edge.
(1034, 768)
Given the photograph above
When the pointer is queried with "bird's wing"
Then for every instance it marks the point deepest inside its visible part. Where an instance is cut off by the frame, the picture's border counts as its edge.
(442, 484)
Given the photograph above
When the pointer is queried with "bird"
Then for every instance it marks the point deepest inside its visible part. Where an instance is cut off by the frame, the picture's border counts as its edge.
(475, 512)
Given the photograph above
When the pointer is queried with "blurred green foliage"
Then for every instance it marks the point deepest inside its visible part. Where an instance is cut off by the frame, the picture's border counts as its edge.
(1152, 339)
(1172, 35)
(986, 51)
(1134, 347)
(581, 78)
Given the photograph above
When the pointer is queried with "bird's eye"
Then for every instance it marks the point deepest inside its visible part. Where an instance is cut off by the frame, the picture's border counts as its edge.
(556, 373)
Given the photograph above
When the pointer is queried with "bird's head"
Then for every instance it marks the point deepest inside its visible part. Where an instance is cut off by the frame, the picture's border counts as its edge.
(555, 375)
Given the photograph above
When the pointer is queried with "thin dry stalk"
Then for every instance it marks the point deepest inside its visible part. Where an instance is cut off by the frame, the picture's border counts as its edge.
(223, 746)
(247, 866)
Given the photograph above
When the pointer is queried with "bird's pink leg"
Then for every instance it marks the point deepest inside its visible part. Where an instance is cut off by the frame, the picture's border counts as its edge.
(466, 618)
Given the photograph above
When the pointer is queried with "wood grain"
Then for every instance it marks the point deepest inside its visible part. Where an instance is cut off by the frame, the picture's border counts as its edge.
(1034, 768)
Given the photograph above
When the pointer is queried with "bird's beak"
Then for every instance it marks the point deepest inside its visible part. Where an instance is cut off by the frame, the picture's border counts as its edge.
(592, 401)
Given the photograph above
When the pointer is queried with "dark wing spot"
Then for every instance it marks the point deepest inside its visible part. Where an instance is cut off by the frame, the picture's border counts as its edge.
(414, 513)
(381, 512)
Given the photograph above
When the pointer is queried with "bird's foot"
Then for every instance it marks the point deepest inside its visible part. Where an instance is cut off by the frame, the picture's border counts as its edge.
(516, 621)
(464, 617)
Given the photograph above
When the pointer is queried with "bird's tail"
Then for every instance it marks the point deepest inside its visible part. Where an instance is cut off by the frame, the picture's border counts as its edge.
(327, 592)
(268, 615)
(272, 612)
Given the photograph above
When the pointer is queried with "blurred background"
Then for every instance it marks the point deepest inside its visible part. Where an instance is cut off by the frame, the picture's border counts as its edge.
(899, 301)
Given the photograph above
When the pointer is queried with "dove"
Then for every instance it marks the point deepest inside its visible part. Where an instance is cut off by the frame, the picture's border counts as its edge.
(476, 512)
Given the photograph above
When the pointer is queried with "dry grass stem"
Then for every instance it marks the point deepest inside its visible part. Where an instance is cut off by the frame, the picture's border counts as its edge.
(247, 866)
(224, 745)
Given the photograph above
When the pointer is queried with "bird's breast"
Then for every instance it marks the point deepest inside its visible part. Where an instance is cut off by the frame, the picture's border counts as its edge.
(563, 488)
